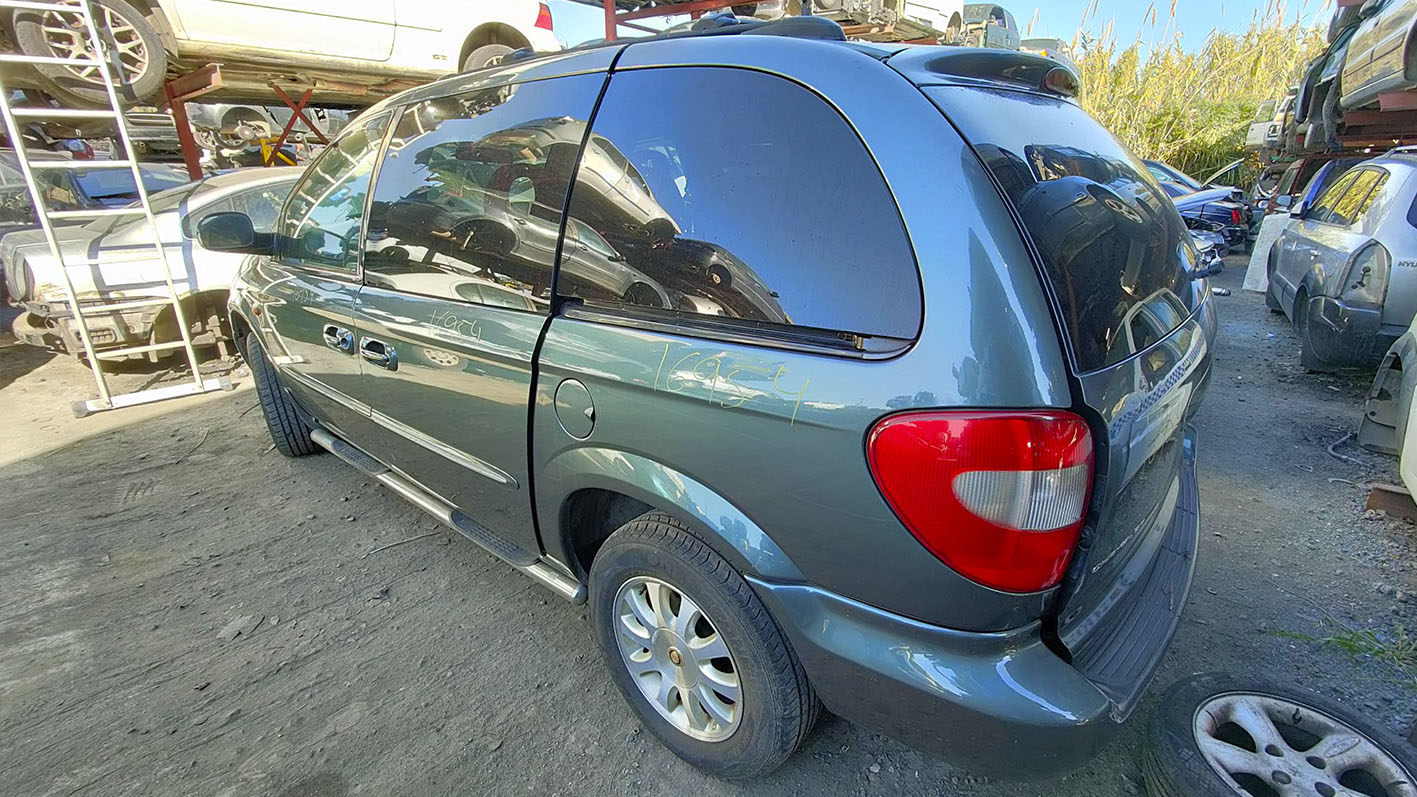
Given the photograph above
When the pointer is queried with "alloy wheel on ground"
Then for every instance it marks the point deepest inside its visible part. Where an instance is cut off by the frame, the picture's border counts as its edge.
(677, 658)
(1255, 742)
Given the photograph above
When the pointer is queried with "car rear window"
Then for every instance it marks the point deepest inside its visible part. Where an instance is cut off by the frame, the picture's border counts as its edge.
(1110, 240)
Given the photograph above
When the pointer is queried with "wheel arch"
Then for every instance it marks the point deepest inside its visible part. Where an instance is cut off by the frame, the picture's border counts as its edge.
(492, 33)
(590, 492)
(164, 325)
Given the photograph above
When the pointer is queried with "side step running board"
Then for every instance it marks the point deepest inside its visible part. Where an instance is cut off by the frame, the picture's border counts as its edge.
(525, 561)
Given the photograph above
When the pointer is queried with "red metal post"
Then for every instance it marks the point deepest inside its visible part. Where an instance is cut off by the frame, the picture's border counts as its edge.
(178, 91)
(609, 20)
(191, 153)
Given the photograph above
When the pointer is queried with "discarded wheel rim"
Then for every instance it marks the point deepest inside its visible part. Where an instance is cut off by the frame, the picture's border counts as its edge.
(1266, 745)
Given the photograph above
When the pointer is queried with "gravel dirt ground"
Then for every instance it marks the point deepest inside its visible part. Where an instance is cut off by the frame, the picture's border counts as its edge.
(185, 611)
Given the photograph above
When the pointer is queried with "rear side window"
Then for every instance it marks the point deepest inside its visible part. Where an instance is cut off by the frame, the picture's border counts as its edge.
(688, 205)
(1328, 200)
(1110, 240)
(469, 196)
(1359, 197)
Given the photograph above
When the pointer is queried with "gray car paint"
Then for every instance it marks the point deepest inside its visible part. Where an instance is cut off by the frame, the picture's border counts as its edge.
(805, 522)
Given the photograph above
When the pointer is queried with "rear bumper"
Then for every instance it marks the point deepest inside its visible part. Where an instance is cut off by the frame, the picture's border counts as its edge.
(1002, 704)
(1342, 334)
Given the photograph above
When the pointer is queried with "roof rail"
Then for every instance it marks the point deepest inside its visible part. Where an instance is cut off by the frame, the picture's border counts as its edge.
(1404, 150)
(721, 24)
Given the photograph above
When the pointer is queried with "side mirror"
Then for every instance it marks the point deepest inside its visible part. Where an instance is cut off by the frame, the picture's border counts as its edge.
(1298, 209)
(1283, 201)
(229, 232)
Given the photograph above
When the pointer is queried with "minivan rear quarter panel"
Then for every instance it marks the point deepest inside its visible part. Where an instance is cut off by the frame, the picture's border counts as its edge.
(794, 463)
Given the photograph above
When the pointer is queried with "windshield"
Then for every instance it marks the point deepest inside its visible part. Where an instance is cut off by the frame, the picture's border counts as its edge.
(160, 202)
(106, 185)
(1109, 239)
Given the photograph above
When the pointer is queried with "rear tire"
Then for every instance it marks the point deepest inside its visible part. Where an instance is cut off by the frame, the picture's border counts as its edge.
(289, 431)
(1301, 304)
(146, 54)
(486, 55)
(776, 707)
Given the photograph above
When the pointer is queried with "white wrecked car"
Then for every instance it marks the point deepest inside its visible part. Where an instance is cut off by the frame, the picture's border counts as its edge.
(128, 270)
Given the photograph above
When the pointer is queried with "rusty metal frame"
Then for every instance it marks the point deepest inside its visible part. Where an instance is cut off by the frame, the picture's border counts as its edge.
(297, 116)
(184, 89)
(614, 19)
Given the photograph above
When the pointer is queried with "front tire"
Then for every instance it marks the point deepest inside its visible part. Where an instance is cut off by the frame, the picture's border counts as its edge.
(289, 431)
(696, 653)
(52, 34)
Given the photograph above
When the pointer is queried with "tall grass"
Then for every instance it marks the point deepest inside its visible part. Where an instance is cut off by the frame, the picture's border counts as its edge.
(1191, 107)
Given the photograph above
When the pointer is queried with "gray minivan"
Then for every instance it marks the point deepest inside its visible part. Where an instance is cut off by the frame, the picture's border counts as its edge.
(925, 464)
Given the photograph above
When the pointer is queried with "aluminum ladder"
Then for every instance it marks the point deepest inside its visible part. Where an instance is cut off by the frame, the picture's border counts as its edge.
(82, 11)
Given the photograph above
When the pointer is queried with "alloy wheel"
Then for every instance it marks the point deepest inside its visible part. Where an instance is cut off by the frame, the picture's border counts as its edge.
(678, 659)
(67, 38)
(1266, 745)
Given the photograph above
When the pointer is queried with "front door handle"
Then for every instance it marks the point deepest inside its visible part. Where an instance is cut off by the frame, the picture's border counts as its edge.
(379, 353)
(338, 338)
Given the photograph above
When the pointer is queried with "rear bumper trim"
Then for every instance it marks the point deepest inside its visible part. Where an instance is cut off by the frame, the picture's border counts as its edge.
(1124, 650)
(1339, 333)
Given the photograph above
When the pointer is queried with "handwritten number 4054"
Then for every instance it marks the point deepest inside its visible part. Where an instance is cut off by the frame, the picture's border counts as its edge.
(720, 375)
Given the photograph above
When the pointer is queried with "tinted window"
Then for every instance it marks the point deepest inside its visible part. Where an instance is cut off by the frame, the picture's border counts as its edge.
(1359, 197)
(1109, 238)
(763, 209)
(472, 188)
(1324, 205)
(320, 225)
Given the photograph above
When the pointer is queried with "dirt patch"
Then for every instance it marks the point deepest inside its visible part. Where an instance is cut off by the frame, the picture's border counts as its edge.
(187, 611)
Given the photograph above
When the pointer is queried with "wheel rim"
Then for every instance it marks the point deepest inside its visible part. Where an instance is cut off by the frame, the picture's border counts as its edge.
(1266, 745)
(677, 658)
(67, 37)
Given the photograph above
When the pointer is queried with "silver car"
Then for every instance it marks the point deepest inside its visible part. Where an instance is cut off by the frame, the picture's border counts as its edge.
(1345, 270)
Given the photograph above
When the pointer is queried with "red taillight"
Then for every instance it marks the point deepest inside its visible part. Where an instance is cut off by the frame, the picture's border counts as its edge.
(543, 17)
(998, 496)
(1235, 217)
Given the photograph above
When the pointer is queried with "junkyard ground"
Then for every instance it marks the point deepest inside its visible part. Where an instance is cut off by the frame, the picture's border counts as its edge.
(185, 611)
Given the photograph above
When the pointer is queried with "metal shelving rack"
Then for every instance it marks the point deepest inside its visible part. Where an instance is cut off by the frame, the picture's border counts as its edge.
(106, 400)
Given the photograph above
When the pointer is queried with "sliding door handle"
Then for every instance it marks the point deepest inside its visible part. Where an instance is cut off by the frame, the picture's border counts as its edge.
(338, 338)
(379, 353)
